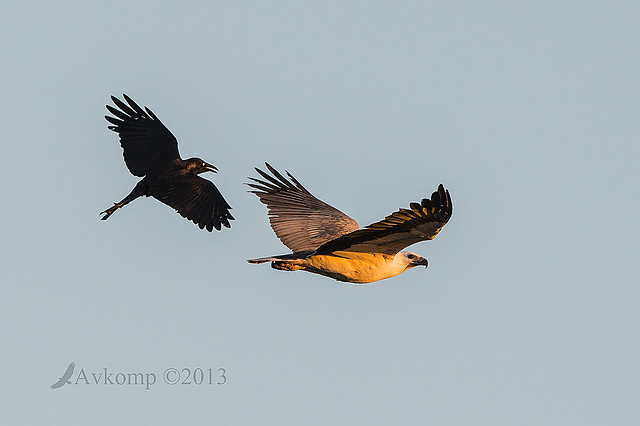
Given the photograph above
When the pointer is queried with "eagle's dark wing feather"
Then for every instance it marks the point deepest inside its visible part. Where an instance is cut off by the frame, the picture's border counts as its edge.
(195, 198)
(301, 221)
(147, 144)
(398, 230)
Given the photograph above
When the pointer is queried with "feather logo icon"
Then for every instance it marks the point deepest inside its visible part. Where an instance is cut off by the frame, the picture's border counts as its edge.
(64, 380)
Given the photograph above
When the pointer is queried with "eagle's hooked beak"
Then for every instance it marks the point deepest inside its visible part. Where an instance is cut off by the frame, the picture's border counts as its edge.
(422, 262)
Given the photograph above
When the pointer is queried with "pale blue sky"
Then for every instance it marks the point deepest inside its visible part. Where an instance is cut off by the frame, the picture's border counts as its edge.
(526, 111)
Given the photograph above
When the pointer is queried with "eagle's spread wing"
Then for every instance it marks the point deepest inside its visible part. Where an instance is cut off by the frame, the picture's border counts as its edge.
(195, 198)
(398, 230)
(146, 142)
(300, 220)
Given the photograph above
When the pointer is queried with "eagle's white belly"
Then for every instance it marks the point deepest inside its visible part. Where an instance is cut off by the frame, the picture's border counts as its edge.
(354, 267)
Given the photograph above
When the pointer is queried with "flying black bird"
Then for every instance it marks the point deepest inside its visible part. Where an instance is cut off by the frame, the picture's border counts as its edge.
(64, 380)
(326, 241)
(151, 151)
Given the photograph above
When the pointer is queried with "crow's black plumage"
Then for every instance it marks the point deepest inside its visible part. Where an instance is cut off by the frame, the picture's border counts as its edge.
(151, 151)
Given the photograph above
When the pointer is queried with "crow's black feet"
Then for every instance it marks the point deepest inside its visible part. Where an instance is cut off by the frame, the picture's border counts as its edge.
(109, 211)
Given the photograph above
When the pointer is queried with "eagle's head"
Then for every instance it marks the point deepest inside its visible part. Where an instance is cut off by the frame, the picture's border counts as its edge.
(410, 259)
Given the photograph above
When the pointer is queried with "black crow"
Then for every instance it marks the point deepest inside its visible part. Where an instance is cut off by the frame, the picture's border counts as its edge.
(151, 152)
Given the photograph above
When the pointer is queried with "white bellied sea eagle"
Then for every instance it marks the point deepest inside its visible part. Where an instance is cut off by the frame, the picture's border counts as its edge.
(326, 241)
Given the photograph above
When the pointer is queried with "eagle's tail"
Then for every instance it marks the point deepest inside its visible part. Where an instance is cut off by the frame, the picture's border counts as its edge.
(283, 265)
(292, 256)
(285, 262)
(262, 260)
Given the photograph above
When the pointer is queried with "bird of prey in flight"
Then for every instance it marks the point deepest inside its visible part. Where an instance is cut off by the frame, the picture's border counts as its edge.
(64, 380)
(326, 241)
(151, 151)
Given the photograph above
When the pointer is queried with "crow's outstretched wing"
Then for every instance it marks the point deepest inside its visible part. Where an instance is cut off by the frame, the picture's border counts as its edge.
(147, 144)
(196, 199)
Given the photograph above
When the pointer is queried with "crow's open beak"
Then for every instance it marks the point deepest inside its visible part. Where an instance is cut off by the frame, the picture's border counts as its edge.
(211, 168)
